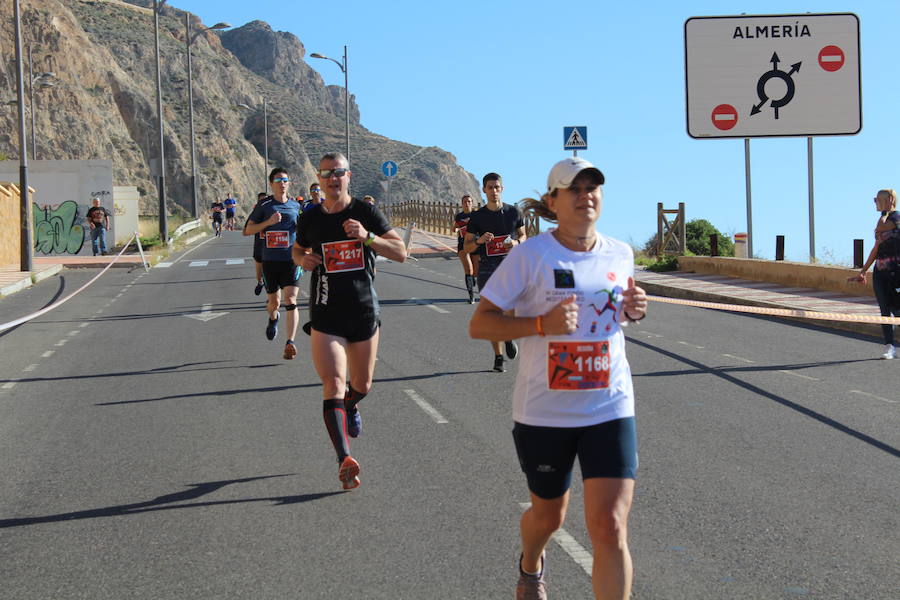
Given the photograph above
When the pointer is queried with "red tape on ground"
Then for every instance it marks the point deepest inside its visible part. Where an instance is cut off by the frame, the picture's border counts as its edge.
(782, 312)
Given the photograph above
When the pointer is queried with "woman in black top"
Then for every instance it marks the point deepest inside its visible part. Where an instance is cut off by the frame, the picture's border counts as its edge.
(469, 260)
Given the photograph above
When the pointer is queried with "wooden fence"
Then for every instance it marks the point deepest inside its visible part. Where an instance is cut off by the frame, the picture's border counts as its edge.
(437, 217)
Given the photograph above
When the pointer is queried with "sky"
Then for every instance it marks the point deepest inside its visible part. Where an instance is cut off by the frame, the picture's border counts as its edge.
(495, 82)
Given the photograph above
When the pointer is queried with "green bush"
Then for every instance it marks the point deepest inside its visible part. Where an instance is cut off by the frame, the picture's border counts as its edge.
(697, 233)
(662, 264)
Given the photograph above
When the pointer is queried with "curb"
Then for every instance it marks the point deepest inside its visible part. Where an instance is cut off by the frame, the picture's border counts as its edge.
(657, 289)
(18, 286)
(46, 273)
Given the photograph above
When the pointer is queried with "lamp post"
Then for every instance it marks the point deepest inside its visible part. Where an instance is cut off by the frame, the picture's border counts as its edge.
(26, 239)
(265, 138)
(189, 38)
(343, 67)
(161, 176)
(42, 80)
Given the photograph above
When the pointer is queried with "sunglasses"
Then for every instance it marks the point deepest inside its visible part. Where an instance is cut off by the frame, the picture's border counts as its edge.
(281, 179)
(327, 173)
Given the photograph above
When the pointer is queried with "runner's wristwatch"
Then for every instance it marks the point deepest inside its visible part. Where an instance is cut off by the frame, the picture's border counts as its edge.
(369, 239)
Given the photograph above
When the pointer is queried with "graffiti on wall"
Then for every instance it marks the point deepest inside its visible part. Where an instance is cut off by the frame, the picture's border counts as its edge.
(56, 229)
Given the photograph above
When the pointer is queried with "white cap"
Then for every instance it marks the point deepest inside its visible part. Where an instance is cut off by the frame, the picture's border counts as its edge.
(564, 172)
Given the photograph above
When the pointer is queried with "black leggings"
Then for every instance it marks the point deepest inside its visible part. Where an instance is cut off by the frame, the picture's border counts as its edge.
(888, 301)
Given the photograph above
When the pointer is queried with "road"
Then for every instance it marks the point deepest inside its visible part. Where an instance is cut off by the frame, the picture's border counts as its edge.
(148, 453)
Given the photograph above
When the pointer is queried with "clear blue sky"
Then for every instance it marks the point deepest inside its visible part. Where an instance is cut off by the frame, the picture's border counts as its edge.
(494, 82)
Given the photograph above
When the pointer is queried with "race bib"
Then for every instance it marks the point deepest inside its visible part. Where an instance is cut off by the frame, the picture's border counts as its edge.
(278, 239)
(574, 366)
(462, 230)
(346, 255)
(496, 247)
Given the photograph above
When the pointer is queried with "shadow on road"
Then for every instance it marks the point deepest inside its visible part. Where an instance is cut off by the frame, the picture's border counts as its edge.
(157, 371)
(278, 388)
(701, 368)
(195, 490)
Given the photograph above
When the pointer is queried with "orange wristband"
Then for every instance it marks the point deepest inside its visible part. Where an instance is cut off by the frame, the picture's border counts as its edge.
(539, 323)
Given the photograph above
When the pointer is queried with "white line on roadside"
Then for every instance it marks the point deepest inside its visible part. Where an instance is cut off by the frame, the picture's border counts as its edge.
(872, 396)
(48, 354)
(431, 306)
(198, 263)
(73, 332)
(234, 261)
(163, 265)
(798, 375)
(692, 345)
(85, 324)
(570, 546)
(438, 417)
(61, 342)
(746, 360)
(9, 385)
(30, 368)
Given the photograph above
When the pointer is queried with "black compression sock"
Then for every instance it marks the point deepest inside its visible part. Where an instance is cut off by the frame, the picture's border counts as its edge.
(352, 398)
(336, 424)
(470, 283)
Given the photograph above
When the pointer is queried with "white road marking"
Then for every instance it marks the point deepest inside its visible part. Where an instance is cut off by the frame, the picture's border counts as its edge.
(872, 396)
(48, 353)
(30, 368)
(798, 375)
(234, 261)
(198, 263)
(692, 345)
(438, 417)
(746, 360)
(9, 385)
(431, 306)
(85, 324)
(582, 557)
(73, 332)
(163, 265)
(61, 342)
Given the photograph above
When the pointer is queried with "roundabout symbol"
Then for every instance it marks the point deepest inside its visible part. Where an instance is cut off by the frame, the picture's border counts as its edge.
(775, 73)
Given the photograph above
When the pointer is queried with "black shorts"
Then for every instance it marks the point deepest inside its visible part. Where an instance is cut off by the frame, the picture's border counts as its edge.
(217, 217)
(229, 213)
(280, 274)
(486, 267)
(352, 326)
(547, 454)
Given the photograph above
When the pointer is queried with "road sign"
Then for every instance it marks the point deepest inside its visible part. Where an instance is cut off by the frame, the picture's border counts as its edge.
(389, 168)
(575, 138)
(784, 75)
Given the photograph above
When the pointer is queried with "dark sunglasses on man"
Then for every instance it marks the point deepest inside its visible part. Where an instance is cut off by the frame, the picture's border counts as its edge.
(327, 173)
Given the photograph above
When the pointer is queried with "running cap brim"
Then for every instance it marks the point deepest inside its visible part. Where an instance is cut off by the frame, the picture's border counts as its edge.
(565, 171)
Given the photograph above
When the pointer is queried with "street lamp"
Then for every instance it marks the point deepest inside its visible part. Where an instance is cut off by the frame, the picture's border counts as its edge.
(189, 38)
(41, 80)
(161, 176)
(265, 138)
(26, 239)
(343, 66)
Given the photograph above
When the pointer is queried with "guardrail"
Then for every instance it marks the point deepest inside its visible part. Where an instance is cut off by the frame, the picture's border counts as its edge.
(184, 228)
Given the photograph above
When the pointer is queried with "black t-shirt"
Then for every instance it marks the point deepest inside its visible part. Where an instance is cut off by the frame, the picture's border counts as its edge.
(345, 278)
(97, 215)
(504, 221)
(217, 208)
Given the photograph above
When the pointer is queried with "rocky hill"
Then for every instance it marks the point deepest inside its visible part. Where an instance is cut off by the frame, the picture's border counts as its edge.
(102, 52)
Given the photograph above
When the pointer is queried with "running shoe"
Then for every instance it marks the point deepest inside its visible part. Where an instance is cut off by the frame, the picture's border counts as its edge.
(272, 328)
(531, 587)
(290, 350)
(348, 473)
(890, 352)
(511, 349)
(498, 364)
(354, 423)
(259, 288)
(471, 297)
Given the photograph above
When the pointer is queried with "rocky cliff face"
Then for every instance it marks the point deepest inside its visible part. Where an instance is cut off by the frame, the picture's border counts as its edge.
(102, 52)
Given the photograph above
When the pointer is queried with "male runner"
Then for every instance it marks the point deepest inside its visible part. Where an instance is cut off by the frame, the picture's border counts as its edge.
(337, 241)
(492, 231)
(259, 241)
(278, 221)
(230, 204)
(216, 210)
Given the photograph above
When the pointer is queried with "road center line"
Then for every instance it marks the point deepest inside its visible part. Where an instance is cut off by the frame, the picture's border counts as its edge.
(873, 396)
(61, 342)
(692, 345)
(798, 375)
(73, 332)
(85, 324)
(48, 353)
(9, 385)
(570, 546)
(438, 417)
(746, 360)
(30, 368)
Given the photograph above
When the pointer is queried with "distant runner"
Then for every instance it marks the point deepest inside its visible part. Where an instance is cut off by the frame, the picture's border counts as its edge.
(259, 241)
(276, 217)
(337, 241)
(573, 394)
(469, 260)
(216, 211)
(492, 231)
(230, 204)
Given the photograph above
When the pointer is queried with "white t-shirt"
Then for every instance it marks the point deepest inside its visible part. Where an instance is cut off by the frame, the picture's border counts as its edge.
(582, 378)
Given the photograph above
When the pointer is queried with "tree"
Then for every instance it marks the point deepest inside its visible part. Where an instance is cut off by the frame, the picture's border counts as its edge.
(697, 233)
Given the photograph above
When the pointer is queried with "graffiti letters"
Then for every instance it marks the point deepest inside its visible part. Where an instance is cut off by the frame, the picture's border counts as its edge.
(56, 230)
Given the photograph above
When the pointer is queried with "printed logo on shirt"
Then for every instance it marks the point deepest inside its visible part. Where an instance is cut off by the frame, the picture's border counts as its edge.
(606, 309)
(564, 278)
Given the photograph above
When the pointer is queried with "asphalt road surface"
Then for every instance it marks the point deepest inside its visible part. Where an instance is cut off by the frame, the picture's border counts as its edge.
(154, 444)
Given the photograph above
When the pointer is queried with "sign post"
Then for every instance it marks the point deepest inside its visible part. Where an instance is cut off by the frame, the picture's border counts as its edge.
(773, 76)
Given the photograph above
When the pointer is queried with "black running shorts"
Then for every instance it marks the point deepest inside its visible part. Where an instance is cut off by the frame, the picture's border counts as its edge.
(280, 274)
(353, 327)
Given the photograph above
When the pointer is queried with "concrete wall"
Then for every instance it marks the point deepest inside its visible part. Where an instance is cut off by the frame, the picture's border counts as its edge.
(126, 200)
(787, 273)
(62, 194)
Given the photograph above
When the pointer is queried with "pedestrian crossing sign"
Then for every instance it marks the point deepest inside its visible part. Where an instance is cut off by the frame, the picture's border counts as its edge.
(575, 138)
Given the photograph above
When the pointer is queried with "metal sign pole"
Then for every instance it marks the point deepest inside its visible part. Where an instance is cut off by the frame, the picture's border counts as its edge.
(812, 213)
(749, 198)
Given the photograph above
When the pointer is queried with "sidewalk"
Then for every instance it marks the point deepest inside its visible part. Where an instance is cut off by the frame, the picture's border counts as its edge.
(13, 280)
(729, 290)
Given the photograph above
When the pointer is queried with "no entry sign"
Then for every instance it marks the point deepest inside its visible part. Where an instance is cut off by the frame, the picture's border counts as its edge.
(772, 75)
